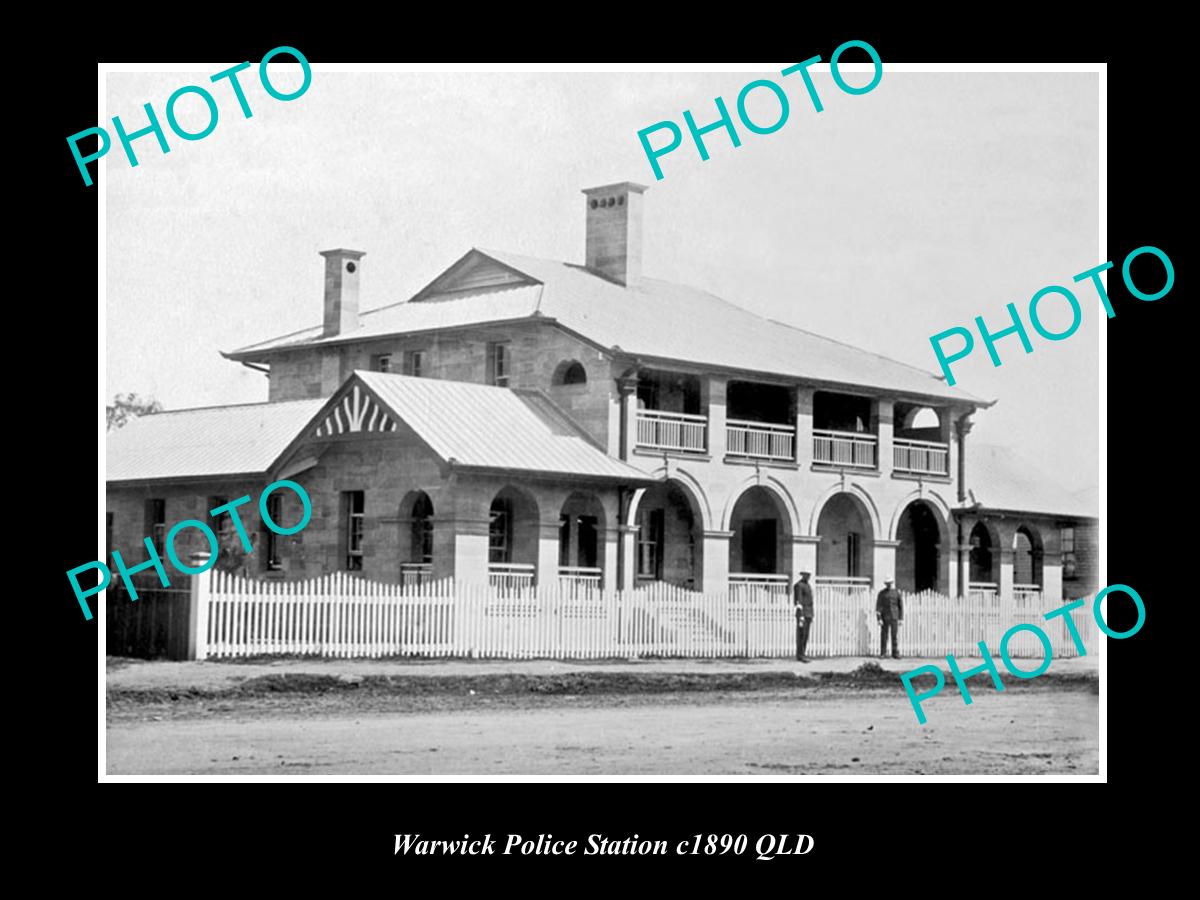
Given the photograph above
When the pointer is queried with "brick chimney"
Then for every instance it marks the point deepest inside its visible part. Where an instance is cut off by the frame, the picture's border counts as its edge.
(614, 231)
(341, 290)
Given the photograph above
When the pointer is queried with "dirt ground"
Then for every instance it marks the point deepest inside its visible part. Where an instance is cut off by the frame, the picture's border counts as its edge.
(840, 726)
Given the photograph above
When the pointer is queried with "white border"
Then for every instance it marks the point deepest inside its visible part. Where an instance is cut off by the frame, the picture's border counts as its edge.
(101, 184)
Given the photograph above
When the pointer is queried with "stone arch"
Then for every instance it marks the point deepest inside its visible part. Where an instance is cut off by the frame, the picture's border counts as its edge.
(582, 526)
(568, 372)
(985, 554)
(921, 529)
(935, 500)
(848, 528)
(697, 495)
(513, 527)
(417, 516)
(761, 530)
(859, 494)
(772, 485)
(670, 525)
(1028, 548)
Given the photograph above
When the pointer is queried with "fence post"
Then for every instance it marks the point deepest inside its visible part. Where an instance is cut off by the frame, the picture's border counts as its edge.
(197, 645)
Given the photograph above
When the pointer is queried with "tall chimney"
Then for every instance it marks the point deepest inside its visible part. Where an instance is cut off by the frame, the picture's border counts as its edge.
(614, 231)
(341, 290)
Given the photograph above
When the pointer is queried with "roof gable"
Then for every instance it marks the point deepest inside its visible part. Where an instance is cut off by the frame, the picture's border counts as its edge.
(475, 271)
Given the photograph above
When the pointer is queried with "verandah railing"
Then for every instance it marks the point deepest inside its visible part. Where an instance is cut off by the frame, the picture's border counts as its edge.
(343, 616)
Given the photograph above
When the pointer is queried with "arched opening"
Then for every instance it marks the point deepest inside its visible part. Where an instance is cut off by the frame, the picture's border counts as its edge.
(760, 551)
(416, 538)
(669, 538)
(919, 557)
(512, 539)
(1027, 559)
(982, 573)
(581, 528)
(846, 553)
(569, 371)
(921, 440)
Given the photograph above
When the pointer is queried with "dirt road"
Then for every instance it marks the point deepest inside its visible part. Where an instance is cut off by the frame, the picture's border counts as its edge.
(770, 732)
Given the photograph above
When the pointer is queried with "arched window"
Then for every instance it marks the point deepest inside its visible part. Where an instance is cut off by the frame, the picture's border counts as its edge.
(422, 529)
(570, 371)
(1027, 557)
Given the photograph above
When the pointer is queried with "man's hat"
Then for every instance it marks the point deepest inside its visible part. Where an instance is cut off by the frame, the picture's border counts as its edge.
(889, 581)
(806, 573)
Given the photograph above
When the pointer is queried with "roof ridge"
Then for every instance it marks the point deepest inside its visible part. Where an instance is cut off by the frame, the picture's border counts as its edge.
(271, 403)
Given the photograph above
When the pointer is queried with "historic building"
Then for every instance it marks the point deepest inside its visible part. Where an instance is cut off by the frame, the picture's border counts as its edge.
(522, 419)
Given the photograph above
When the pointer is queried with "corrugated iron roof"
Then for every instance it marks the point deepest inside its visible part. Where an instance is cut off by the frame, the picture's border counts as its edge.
(653, 318)
(479, 426)
(212, 441)
(998, 478)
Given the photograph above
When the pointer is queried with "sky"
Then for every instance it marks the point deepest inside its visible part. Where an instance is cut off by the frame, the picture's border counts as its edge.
(882, 220)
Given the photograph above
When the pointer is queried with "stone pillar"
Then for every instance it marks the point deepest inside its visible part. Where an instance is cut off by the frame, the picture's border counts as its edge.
(715, 576)
(331, 371)
(964, 568)
(958, 456)
(804, 431)
(627, 433)
(885, 430)
(628, 549)
(885, 563)
(804, 556)
(1006, 573)
(443, 547)
(1052, 581)
(609, 551)
(470, 556)
(547, 555)
(716, 390)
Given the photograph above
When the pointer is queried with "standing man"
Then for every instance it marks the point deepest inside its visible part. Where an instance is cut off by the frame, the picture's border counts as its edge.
(889, 610)
(802, 599)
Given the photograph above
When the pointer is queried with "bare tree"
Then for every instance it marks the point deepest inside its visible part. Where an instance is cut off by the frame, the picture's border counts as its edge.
(129, 406)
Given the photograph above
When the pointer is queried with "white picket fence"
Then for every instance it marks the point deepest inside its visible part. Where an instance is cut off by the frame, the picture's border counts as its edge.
(343, 616)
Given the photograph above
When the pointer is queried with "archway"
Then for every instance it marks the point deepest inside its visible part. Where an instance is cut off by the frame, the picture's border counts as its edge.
(761, 529)
(512, 538)
(1027, 558)
(920, 562)
(581, 527)
(416, 538)
(982, 556)
(670, 535)
(846, 553)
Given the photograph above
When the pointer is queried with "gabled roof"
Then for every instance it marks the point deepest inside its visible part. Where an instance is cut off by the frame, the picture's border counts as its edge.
(483, 427)
(653, 319)
(210, 442)
(471, 426)
(999, 479)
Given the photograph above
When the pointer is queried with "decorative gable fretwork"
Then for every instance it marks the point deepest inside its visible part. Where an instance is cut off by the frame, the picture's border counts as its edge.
(358, 411)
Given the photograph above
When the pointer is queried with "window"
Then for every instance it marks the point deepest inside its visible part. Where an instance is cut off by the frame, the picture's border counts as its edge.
(1070, 564)
(414, 363)
(650, 541)
(422, 529)
(354, 503)
(156, 522)
(500, 531)
(570, 372)
(498, 364)
(381, 363)
(272, 558)
(853, 541)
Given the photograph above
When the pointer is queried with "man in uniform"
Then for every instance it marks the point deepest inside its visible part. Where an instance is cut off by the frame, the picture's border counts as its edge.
(802, 599)
(889, 610)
